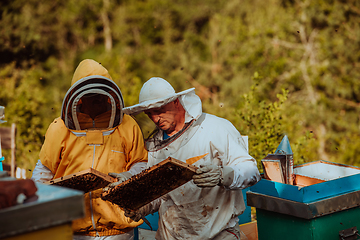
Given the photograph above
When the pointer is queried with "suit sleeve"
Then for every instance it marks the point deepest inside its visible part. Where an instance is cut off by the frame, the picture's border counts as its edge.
(136, 150)
(231, 149)
(50, 153)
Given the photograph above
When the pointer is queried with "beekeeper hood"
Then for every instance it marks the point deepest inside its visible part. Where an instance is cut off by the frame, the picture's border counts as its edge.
(157, 92)
(93, 101)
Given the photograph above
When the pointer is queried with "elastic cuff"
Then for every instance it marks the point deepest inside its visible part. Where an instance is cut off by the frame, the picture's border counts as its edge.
(127, 174)
(227, 176)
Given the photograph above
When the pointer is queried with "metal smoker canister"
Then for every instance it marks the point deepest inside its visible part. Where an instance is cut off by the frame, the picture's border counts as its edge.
(288, 162)
(283, 159)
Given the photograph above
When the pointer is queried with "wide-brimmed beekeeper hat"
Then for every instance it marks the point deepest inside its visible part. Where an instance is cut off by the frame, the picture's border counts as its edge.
(155, 93)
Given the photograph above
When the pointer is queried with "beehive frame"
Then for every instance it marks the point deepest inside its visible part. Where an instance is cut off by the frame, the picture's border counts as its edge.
(86, 180)
(150, 184)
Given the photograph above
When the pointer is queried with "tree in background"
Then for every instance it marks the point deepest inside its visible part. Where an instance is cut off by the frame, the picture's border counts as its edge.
(271, 67)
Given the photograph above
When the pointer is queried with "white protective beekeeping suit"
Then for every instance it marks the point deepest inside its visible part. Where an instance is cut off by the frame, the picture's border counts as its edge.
(191, 212)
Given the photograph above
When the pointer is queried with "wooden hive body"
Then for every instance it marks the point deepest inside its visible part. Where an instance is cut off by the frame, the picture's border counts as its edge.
(150, 184)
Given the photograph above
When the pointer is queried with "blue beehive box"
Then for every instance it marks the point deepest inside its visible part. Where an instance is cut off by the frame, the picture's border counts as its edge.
(313, 181)
(323, 203)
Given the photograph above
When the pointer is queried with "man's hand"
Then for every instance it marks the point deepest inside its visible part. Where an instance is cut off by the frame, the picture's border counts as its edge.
(121, 177)
(133, 215)
(207, 176)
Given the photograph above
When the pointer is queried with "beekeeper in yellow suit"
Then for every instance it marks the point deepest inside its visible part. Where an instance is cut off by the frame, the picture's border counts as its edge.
(93, 132)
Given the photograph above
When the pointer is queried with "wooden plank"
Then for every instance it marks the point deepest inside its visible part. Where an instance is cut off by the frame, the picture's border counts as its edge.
(86, 180)
(303, 181)
(7, 135)
(273, 170)
(150, 184)
(250, 230)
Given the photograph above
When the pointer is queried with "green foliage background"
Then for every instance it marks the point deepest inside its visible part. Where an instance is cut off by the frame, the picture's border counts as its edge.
(271, 67)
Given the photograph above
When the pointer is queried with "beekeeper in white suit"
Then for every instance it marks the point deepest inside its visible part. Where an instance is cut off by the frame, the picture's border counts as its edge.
(208, 206)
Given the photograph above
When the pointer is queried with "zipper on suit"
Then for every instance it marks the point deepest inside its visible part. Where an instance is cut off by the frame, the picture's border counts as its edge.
(90, 194)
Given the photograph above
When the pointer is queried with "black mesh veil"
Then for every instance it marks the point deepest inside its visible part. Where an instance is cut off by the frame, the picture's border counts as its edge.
(96, 87)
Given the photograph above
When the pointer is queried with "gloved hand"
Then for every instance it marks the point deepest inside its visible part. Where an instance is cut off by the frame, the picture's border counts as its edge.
(213, 175)
(133, 215)
(121, 177)
(207, 176)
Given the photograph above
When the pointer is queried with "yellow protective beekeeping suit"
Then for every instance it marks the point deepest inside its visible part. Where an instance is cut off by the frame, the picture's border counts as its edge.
(109, 142)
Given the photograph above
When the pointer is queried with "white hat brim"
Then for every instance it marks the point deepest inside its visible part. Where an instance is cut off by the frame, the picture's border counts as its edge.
(155, 103)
